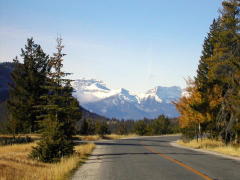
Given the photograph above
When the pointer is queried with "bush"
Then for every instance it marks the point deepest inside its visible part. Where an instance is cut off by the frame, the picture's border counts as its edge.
(55, 142)
(52, 150)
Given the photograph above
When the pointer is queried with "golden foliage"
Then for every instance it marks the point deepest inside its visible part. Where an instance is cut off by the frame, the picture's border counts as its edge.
(215, 97)
(189, 115)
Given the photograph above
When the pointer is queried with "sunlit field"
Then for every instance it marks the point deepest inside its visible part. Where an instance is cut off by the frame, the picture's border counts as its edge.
(15, 163)
(213, 145)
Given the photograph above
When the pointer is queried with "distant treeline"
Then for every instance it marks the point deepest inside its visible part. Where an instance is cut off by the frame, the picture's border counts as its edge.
(157, 126)
(211, 105)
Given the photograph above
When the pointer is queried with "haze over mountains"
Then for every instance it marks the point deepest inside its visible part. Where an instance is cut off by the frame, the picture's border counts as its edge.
(95, 96)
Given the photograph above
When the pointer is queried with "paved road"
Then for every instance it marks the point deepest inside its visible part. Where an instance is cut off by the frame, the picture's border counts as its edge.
(153, 158)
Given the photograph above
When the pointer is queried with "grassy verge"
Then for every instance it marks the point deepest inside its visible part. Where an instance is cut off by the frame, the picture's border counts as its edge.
(213, 145)
(109, 137)
(8, 139)
(15, 163)
(85, 138)
(33, 136)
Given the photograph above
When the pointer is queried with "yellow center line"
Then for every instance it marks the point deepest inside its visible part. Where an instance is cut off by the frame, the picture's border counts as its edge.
(179, 163)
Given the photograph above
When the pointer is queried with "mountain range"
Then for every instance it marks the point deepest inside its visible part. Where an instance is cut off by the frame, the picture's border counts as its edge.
(5, 79)
(97, 99)
(95, 96)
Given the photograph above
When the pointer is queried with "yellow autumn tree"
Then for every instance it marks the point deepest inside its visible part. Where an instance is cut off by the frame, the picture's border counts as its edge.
(189, 107)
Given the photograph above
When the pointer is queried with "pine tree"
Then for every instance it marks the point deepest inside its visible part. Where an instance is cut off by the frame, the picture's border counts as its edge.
(84, 129)
(202, 77)
(204, 83)
(226, 69)
(121, 128)
(61, 111)
(102, 128)
(160, 125)
(28, 79)
(213, 100)
(140, 128)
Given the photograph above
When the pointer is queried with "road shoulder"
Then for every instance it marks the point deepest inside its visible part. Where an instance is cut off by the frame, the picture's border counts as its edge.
(175, 144)
(90, 169)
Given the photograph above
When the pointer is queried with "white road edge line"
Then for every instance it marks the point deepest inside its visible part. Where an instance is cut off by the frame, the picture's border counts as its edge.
(174, 143)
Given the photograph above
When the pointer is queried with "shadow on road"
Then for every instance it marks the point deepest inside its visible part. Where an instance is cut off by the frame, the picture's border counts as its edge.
(109, 157)
(145, 153)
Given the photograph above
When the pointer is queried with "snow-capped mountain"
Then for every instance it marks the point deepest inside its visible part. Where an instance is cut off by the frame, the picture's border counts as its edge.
(95, 96)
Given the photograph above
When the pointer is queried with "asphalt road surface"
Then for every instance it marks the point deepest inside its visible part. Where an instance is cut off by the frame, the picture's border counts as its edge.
(153, 158)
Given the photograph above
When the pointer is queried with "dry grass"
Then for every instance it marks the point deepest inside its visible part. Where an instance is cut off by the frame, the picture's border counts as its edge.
(88, 138)
(15, 163)
(116, 136)
(21, 135)
(33, 136)
(213, 145)
(109, 136)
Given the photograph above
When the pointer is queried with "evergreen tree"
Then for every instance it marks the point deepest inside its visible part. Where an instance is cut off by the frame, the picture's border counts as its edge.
(204, 83)
(213, 99)
(84, 129)
(226, 69)
(28, 80)
(141, 128)
(202, 79)
(102, 128)
(122, 128)
(61, 112)
(160, 125)
(91, 126)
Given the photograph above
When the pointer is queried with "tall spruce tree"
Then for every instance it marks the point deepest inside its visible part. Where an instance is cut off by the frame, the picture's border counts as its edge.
(226, 69)
(202, 78)
(29, 78)
(61, 112)
(203, 81)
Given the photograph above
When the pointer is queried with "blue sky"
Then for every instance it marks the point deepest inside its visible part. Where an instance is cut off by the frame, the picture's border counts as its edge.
(135, 44)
